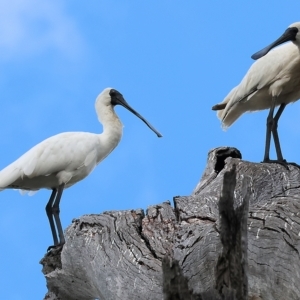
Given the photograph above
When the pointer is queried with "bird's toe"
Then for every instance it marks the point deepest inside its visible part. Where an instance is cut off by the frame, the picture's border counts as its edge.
(283, 162)
(55, 248)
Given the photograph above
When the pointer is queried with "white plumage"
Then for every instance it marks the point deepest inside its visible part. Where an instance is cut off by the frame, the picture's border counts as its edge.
(271, 81)
(64, 159)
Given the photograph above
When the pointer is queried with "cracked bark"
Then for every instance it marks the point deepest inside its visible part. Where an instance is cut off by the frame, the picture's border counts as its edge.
(236, 237)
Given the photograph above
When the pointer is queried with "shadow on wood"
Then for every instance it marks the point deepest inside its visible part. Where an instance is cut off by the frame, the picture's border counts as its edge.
(232, 265)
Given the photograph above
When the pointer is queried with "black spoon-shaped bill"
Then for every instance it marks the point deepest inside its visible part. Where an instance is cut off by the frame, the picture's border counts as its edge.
(289, 35)
(117, 99)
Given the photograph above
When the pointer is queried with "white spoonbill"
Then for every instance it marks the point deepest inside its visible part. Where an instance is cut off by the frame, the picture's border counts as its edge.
(271, 81)
(64, 159)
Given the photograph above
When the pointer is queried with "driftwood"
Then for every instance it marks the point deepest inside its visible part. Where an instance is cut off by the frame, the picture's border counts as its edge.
(236, 237)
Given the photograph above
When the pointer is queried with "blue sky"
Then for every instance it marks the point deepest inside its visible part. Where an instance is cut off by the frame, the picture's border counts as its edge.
(172, 61)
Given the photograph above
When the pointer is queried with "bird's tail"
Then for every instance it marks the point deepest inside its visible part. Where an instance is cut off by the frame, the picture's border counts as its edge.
(222, 110)
(7, 176)
(219, 106)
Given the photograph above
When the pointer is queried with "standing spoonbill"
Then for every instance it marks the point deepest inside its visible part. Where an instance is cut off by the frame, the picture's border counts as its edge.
(64, 159)
(271, 81)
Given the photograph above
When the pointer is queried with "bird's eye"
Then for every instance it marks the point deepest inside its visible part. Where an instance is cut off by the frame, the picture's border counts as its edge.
(112, 93)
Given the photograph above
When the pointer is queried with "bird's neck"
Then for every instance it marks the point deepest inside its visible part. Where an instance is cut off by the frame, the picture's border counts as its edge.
(112, 129)
(297, 43)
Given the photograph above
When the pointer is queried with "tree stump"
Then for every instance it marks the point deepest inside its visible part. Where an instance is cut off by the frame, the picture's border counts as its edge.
(236, 237)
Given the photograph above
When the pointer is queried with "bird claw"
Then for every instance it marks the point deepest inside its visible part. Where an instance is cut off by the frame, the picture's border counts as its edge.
(55, 248)
(294, 164)
(281, 162)
(284, 163)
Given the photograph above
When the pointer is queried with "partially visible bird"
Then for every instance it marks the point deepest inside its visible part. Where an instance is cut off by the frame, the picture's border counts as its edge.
(271, 81)
(64, 159)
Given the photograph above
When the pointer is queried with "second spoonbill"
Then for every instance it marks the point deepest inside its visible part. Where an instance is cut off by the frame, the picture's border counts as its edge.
(273, 80)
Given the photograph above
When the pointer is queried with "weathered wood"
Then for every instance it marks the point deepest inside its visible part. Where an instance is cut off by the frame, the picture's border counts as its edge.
(175, 285)
(118, 255)
(232, 265)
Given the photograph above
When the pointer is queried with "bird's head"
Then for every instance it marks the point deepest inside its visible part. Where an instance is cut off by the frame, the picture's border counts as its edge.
(104, 98)
(295, 28)
(109, 98)
(292, 33)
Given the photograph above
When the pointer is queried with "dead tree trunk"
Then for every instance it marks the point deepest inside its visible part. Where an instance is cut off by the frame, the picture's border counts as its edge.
(236, 237)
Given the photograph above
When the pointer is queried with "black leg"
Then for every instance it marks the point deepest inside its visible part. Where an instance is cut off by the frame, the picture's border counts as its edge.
(276, 139)
(52, 210)
(50, 217)
(272, 124)
(275, 133)
(55, 211)
(270, 120)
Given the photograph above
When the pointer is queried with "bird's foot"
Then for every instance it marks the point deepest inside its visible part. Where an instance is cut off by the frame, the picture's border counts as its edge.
(294, 164)
(55, 248)
(283, 162)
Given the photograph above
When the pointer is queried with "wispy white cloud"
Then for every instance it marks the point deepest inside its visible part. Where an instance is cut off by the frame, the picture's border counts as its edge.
(29, 27)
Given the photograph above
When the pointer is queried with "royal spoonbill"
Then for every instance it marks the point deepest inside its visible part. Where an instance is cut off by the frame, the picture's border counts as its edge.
(273, 80)
(64, 159)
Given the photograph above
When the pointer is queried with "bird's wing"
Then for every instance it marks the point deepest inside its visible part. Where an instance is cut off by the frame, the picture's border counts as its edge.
(63, 152)
(91, 158)
(273, 68)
